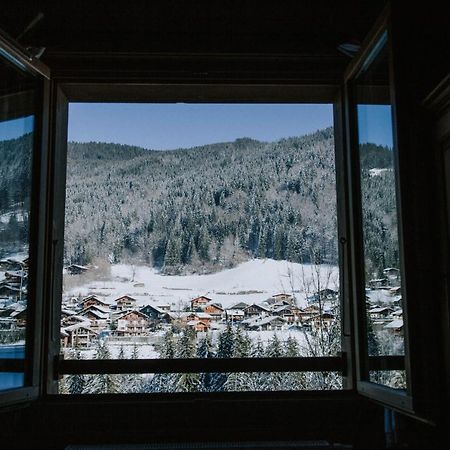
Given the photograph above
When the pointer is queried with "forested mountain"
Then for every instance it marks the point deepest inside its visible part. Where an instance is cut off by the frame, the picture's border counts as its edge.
(203, 208)
(15, 190)
(210, 207)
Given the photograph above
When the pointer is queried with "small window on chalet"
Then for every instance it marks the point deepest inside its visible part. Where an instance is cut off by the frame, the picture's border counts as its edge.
(200, 231)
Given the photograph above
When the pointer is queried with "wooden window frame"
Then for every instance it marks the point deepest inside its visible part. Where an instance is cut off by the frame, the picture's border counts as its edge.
(32, 365)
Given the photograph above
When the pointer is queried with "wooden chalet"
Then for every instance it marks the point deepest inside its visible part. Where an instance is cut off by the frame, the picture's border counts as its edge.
(204, 317)
(380, 312)
(132, 323)
(76, 269)
(125, 302)
(153, 312)
(98, 316)
(199, 302)
(256, 310)
(395, 326)
(20, 316)
(392, 273)
(234, 315)
(324, 320)
(16, 276)
(378, 283)
(282, 297)
(78, 335)
(9, 291)
(289, 312)
(214, 309)
(199, 326)
(308, 312)
(92, 300)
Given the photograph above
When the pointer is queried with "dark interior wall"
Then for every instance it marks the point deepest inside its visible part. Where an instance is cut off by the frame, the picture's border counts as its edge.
(52, 425)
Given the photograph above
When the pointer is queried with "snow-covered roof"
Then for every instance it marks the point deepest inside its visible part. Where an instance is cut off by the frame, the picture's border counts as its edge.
(395, 324)
(380, 309)
(96, 313)
(76, 326)
(202, 315)
(265, 321)
(68, 311)
(139, 313)
(235, 312)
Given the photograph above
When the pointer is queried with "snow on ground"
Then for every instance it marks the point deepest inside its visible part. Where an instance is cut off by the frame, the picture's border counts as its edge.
(251, 282)
(377, 172)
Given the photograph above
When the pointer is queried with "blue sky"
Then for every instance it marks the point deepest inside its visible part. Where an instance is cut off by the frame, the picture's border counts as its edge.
(168, 126)
(11, 129)
(375, 124)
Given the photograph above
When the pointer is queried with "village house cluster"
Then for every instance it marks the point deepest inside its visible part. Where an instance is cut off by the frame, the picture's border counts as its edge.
(84, 320)
(384, 302)
(13, 299)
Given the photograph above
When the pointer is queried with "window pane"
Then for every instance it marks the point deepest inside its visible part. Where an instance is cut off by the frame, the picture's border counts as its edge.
(383, 275)
(16, 150)
(204, 230)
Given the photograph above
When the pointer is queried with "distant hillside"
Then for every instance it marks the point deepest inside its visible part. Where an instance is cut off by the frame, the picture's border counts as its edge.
(210, 207)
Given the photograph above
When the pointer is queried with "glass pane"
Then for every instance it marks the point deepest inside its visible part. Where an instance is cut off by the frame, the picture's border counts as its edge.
(204, 230)
(382, 266)
(16, 150)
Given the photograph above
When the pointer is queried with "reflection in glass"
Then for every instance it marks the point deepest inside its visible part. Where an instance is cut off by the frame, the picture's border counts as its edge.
(382, 269)
(16, 150)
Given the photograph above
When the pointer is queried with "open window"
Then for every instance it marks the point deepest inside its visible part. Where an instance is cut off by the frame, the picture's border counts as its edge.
(21, 243)
(378, 268)
(211, 265)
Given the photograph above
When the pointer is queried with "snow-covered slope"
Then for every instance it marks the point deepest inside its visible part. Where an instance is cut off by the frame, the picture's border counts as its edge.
(253, 281)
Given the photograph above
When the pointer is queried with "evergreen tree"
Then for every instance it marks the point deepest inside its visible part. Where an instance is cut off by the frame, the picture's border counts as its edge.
(76, 383)
(102, 383)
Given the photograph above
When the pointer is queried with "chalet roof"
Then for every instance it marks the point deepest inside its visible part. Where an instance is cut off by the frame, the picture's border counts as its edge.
(18, 312)
(68, 312)
(16, 273)
(394, 325)
(201, 315)
(84, 325)
(235, 312)
(217, 305)
(133, 311)
(380, 309)
(240, 305)
(100, 308)
(282, 295)
(196, 322)
(123, 297)
(260, 306)
(93, 297)
(155, 308)
(283, 308)
(201, 297)
(95, 312)
(75, 317)
(265, 321)
(77, 266)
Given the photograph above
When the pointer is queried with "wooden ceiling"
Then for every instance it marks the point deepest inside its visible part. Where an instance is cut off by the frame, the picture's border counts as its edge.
(294, 29)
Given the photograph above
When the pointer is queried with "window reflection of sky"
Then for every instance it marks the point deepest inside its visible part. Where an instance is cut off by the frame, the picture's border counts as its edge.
(12, 129)
(375, 125)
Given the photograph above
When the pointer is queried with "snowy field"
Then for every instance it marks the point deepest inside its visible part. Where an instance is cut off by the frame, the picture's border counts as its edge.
(251, 282)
